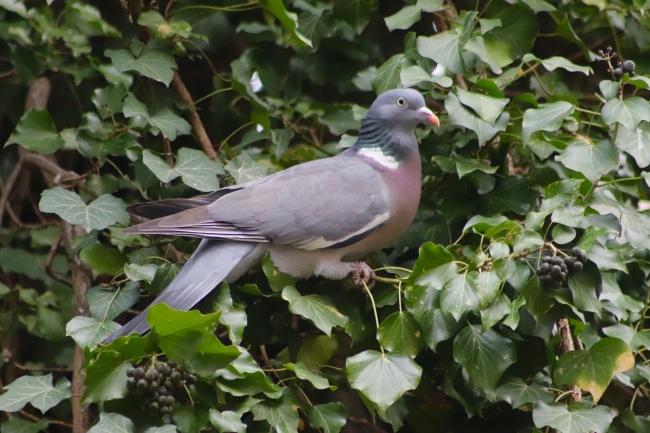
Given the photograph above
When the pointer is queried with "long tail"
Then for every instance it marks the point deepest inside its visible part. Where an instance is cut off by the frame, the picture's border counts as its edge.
(212, 263)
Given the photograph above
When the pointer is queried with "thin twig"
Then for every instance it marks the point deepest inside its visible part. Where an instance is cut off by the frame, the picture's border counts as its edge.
(197, 126)
(8, 187)
(564, 330)
(50, 259)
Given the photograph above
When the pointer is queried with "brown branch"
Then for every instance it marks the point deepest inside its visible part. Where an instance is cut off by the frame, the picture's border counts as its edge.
(567, 346)
(48, 165)
(37, 97)
(50, 259)
(199, 130)
(34, 418)
(81, 282)
(6, 191)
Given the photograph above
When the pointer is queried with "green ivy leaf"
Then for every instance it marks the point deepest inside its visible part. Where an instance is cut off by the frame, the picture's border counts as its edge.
(459, 295)
(167, 321)
(609, 89)
(288, 20)
(355, 12)
(538, 302)
(106, 304)
(170, 124)
(436, 279)
(388, 75)
(37, 390)
(316, 23)
(245, 169)
(193, 166)
(592, 160)
(636, 423)
(233, 316)
(592, 370)
(487, 287)
(316, 350)
(304, 373)
(517, 392)
(19, 425)
(461, 116)
(412, 75)
(410, 15)
(151, 61)
(382, 377)
(572, 419)
(169, 428)
(103, 259)
(443, 48)
(404, 18)
(112, 423)
(242, 377)
(437, 326)
(105, 377)
(280, 139)
(549, 117)
(319, 309)
(485, 356)
(556, 62)
(281, 413)
(35, 131)
(487, 107)
(191, 418)
(629, 112)
(515, 36)
(430, 256)
(477, 46)
(465, 166)
(494, 312)
(88, 331)
(226, 421)
(164, 29)
(400, 332)
(99, 214)
(583, 288)
(277, 280)
(636, 143)
(330, 417)
(137, 273)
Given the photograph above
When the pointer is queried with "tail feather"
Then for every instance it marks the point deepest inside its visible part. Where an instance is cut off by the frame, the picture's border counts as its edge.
(211, 264)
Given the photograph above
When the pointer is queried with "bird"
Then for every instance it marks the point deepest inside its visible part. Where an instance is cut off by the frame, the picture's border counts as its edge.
(317, 218)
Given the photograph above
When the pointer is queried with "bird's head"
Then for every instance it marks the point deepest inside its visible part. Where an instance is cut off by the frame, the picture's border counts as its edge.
(403, 109)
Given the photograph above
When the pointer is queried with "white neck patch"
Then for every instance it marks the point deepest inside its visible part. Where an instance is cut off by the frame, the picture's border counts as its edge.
(379, 157)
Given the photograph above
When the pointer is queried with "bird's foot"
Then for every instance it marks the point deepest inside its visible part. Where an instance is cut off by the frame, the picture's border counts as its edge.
(363, 276)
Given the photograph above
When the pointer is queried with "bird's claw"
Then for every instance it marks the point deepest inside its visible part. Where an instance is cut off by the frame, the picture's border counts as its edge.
(363, 276)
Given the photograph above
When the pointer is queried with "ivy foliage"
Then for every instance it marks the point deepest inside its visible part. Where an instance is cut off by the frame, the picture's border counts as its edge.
(542, 154)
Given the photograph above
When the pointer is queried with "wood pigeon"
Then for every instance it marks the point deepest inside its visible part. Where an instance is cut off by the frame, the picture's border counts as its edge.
(316, 218)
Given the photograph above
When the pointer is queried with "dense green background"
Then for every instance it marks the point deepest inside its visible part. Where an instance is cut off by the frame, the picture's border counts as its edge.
(109, 103)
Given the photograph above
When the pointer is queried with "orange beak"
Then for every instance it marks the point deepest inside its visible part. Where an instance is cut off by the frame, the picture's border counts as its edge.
(429, 116)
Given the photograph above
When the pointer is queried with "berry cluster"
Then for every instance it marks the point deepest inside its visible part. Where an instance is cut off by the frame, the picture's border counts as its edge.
(627, 66)
(621, 68)
(554, 270)
(157, 385)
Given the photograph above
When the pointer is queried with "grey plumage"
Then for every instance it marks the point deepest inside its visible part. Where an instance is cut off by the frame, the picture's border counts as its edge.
(315, 218)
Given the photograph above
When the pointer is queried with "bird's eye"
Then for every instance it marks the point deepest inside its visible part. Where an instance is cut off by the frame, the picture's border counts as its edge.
(400, 102)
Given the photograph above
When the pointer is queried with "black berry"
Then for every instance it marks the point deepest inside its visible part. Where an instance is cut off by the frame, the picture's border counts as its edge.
(157, 384)
(629, 66)
(618, 74)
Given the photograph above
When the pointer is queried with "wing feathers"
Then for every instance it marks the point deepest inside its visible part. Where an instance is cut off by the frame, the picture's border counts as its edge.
(328, 203)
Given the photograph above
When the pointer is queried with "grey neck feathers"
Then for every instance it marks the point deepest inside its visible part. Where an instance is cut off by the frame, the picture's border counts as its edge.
(375, 134)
